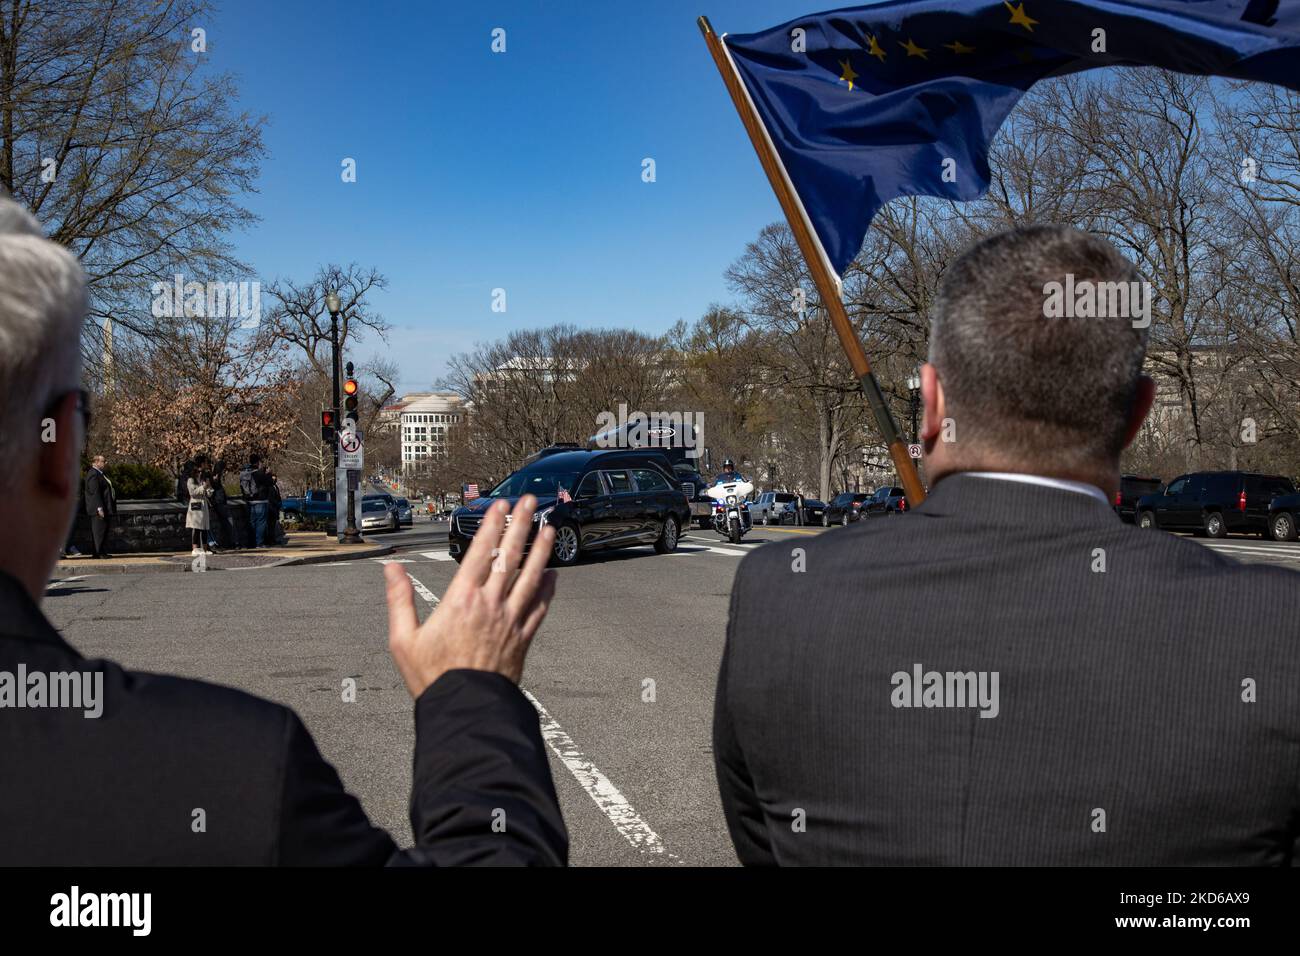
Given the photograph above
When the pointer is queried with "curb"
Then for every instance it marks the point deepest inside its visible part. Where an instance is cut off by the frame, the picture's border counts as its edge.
(173, 567)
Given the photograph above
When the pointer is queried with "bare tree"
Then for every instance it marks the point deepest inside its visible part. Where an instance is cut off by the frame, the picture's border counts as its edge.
(538, 387)
(114, 134)
(299, 317)
(803, 358)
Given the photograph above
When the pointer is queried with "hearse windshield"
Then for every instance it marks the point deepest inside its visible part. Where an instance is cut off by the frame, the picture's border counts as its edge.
(533, 481)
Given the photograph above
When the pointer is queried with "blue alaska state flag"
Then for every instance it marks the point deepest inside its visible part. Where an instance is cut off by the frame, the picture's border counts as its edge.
(867, 103)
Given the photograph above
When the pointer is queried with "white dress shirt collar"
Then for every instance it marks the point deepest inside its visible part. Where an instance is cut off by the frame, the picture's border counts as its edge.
(1079, 487)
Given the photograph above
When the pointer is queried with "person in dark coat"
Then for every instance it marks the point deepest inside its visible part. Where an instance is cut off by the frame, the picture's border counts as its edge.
(223, 524)
(1009, 675)
(101, 505)
(133, 768)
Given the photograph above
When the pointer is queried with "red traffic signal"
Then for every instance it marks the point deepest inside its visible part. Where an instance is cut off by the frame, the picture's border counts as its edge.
(350, 387)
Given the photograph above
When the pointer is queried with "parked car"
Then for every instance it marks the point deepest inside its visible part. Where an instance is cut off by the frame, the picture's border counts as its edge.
(765, 507)
(1131, 488)
(1284, 517)
(595, 500)
(813, 511)
(405, 513)
(844, 508)
(887, 500)
(317, 503)
(378, 513)
(1214, 503)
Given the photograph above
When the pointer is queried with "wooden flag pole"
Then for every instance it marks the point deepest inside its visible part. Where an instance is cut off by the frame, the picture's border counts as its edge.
(828, 286)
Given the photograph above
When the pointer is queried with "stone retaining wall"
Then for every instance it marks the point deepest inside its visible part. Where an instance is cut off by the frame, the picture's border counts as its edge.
(155, 525)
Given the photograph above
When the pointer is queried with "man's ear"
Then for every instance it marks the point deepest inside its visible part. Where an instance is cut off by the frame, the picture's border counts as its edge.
(932, 397)
(57, 459)
(1143, 399)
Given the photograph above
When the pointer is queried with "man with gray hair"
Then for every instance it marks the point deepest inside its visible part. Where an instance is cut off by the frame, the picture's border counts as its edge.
(158, 770)
(1008, 674)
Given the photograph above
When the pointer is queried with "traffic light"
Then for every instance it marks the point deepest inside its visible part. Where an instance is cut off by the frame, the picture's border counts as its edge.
(350, 402)
(328, 423)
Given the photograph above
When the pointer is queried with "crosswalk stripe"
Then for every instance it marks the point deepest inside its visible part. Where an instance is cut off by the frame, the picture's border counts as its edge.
(1253, 549)
(438, 555)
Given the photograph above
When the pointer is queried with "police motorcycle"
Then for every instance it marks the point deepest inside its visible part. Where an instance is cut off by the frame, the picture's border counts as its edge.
(730, 505)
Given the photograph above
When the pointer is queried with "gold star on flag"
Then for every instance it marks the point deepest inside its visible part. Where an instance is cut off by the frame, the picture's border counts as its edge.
(914, 50)
(1019, 17)
(848, 75)
(875, 50)
(959, 48)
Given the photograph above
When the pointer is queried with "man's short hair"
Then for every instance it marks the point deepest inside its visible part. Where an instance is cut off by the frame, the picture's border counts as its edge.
(42, 308)
(1027, 387)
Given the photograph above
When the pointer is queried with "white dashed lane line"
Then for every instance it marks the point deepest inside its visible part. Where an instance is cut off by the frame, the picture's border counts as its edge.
(421, 590)
(630, 824)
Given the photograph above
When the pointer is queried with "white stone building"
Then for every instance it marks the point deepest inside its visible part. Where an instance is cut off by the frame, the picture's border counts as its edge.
(425, 420)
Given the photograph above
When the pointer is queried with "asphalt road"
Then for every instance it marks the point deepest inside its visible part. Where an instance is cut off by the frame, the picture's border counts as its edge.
(623, 669)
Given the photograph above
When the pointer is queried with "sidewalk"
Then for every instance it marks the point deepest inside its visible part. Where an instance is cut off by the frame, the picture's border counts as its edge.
(304, 547)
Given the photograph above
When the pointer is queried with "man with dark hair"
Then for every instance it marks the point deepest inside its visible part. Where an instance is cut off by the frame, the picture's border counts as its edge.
(1008, 674)
(253, 482)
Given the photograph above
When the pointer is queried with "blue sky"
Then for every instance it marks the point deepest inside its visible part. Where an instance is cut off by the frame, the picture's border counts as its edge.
(478, 170)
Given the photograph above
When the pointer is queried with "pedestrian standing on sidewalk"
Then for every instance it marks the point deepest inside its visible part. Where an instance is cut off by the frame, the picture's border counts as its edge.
(222, 523)
(197, 518)
(275, 531)
(101, 505)
(203, 466)
(252, 485)
(182, 482)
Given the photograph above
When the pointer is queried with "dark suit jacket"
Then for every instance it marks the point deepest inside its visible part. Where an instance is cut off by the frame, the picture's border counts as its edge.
(1120, 691)
(99, 494)
(123, 788)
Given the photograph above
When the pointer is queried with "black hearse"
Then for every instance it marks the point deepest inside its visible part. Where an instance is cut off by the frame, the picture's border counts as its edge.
(594, 499)
(676, 436)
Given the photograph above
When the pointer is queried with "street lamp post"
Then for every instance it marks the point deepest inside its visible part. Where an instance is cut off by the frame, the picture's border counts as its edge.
(334, 305)
(914, 386)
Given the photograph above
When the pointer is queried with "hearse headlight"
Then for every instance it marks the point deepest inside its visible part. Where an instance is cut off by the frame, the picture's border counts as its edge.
(540, 516)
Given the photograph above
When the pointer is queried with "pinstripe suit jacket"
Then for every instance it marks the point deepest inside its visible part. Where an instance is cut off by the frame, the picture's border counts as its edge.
(1148, 704)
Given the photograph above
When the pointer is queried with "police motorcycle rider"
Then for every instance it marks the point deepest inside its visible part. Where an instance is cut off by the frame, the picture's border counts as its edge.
(730, 509)
(729, 473)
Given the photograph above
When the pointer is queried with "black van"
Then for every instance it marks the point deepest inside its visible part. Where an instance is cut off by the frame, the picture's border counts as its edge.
(1213, 503)
(593, 499)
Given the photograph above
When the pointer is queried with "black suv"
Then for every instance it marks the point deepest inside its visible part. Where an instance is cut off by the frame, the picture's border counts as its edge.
(1131, 488)
(593, 499)
(1213, 503)
(1283, 512)
(844, 508)
(888, 500)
